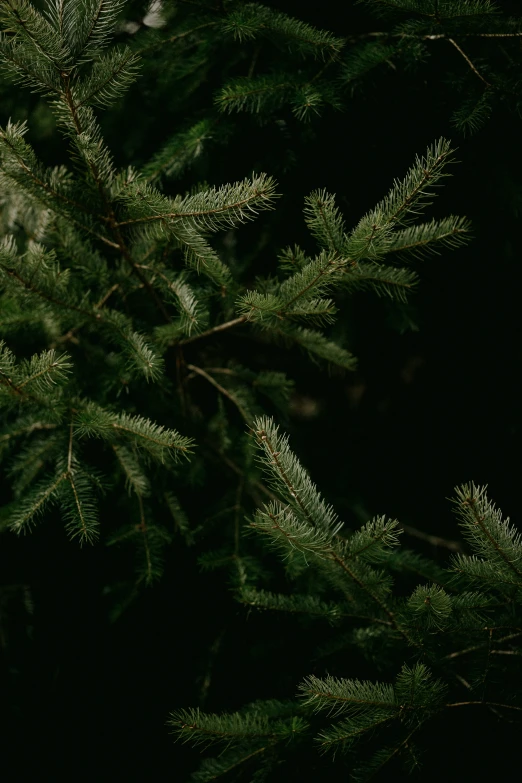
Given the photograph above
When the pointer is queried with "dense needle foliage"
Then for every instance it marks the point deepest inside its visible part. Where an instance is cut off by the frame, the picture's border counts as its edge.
(218, 222)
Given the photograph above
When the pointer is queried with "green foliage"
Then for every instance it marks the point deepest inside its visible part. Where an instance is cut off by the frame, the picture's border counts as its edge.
(422, 637)
(107, 237)
(253, 20)
(143, 356)
(497, 545)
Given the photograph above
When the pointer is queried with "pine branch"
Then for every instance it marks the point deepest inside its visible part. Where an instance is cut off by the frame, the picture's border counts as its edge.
(111, 76)
(27, 511)
(424, 238)
(496, 544)
(474, 113)
(35, 32)
(348, 696)
(324, 220)
(32, 380)
(304, 522)
(253, 19)
(410, 196)
(91, 31)
(78, 507)
(135, 478)
(293, 604)
(180, 518)
(22, 68)
(317, 345)
(208, 210)
(192, 315)
(203, 728)
(92, 420)
(22, 167)
(288, 477)
(255, 94)
(374, 540)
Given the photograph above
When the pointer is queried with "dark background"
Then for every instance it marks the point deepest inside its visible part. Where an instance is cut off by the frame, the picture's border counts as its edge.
(427, 410)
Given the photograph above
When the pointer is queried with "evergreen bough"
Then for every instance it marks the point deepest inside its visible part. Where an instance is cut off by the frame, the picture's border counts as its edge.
(122, 285)
(452, 642)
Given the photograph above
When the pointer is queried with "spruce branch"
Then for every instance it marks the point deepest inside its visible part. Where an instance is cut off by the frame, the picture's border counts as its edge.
(253, 19)
(22, 167)
(255, 94)
(205, 729)
(347, 696)
(78, 507)
(450, 232)
(135, 478)
(98, 163)
(20, 66)
(186, 300)
(91, 30)
(396, 283)
(316, 345)
(35, 31)
(317, 277)
(180, 518)
(473, 113)
(35, 378)
(304, 522)
(374, 540)
(43, 276)
(287, 476)
(34, 458)
(111, 76)
(161, 443)
(411, 195)
(324, 220)
(35, 502)
(188, 219)
(293, 604)
(497, 546)
(208, 210)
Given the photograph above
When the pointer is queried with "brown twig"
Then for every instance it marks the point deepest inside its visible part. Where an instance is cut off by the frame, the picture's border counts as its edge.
(465, 56)
(484, 704)
(214, 330)
(221, 389)
(454, 546)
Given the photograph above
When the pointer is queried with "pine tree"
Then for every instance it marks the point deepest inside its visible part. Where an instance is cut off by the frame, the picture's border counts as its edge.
(152, 327)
